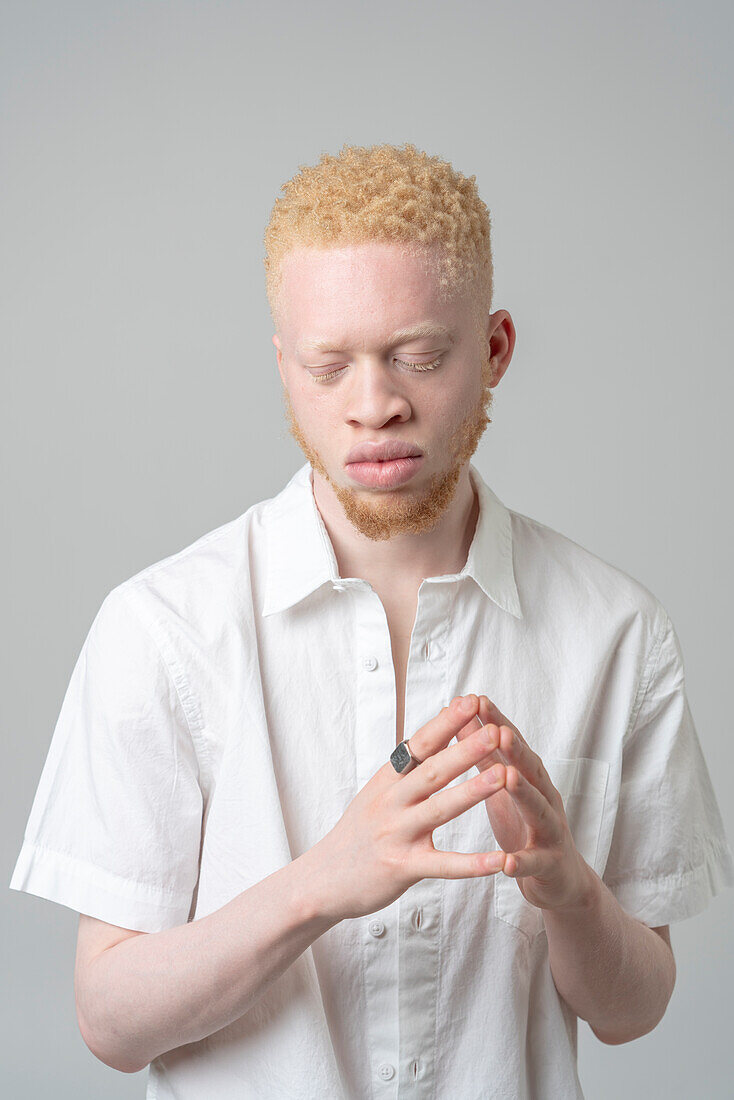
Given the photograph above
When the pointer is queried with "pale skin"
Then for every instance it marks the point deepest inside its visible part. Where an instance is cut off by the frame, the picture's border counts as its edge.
(613, 970)
(139, 995)
(355, 300)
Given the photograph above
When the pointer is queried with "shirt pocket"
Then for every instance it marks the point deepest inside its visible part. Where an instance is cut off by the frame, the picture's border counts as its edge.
(582, 784)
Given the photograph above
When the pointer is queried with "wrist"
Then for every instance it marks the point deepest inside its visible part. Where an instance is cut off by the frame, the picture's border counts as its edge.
(586, 894)
(592, 888)
(316, 900)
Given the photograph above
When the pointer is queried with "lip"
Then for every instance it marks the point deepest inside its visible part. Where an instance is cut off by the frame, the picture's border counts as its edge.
(380, 451)
(388, 474)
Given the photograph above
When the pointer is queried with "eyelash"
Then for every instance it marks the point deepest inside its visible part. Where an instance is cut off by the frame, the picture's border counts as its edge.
(413, 367)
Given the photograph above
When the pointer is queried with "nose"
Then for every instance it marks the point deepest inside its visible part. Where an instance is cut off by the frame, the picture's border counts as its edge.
(374, 398)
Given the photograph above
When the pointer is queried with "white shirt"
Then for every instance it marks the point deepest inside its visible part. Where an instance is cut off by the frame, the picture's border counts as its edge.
(230, 700)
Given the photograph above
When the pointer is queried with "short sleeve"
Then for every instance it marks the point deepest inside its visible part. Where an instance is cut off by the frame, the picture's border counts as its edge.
(115, 825)
(669, 855)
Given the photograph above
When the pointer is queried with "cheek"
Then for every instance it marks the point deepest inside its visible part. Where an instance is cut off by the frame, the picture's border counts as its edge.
(473, 394)
(316, 412)
(449, 402)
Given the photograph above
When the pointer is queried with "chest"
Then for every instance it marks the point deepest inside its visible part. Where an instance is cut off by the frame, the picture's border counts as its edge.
(312, 706)
(400, 619)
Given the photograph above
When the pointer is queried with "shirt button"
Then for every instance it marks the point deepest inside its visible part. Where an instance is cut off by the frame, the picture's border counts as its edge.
(369, 663)
(386, 1071)
(376, 927)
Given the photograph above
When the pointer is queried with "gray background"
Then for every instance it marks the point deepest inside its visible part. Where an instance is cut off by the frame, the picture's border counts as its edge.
(143, 145)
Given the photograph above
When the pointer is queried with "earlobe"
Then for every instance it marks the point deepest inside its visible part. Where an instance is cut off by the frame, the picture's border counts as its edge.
(498, 369)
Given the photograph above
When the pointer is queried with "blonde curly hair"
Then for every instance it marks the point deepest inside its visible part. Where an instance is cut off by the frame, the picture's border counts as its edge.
(386, 193)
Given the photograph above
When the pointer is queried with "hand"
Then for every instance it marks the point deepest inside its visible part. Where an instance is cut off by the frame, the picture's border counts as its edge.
(527, 817)
(383, 842)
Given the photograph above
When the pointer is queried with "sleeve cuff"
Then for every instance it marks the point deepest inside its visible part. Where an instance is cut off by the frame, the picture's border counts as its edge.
(85, 888)
(665, 900)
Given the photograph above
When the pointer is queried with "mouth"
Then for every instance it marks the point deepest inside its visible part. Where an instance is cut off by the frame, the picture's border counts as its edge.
(386, 473)
(382, 450)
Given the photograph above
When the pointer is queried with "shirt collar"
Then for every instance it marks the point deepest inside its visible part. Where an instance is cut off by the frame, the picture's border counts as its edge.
(300, 556)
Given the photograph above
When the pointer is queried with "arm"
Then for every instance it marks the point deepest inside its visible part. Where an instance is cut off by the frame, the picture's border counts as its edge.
(613, 971)
(151, 993)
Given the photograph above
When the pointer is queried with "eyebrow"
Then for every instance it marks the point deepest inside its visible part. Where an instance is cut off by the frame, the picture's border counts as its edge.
(402, 336)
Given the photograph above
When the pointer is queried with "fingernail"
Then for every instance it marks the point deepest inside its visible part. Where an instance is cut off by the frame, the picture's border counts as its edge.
(466, 704)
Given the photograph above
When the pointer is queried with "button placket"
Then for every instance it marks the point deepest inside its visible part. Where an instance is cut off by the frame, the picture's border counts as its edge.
(375, 715)
(420, 907)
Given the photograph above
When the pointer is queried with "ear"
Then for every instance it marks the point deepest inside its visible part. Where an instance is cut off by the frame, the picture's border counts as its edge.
(501, 338)
(279, 356)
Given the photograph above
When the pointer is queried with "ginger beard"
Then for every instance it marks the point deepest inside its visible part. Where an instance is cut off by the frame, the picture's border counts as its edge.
(382, 514)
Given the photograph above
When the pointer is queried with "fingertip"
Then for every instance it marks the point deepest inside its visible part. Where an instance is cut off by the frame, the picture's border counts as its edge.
(466, 704)
(497, 860)
(493, 733)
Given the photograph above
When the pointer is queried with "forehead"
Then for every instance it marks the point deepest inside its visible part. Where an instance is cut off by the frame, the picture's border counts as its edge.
(371, 289)
(361, 262)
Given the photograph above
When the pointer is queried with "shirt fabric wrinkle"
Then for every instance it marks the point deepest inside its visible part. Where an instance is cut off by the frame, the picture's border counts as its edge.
(247, 677)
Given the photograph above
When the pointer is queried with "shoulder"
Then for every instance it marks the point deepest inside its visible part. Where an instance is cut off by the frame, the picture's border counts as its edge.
(204, 582)
(576, 584)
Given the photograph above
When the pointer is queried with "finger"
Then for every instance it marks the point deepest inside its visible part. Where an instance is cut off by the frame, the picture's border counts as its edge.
(437, 732)
(493, 757)
(490, 712)
(446, 805)
(438, 770)
(528, 763)
(475, 723)
(496, 755)
(535, 808)
(526, 862)
(440, 864)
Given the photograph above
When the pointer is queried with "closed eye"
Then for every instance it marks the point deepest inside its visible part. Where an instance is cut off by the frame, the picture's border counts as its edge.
(412, 367)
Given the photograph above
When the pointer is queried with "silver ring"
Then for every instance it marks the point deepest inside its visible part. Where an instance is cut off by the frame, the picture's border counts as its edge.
(402, 758)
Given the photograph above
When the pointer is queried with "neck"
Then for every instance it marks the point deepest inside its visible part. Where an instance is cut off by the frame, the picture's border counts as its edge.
(403, 559)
